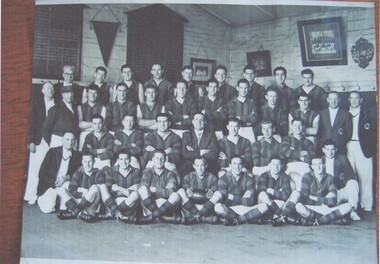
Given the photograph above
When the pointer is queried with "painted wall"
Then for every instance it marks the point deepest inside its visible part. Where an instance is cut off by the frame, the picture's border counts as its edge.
(280, 37)
(205, 37)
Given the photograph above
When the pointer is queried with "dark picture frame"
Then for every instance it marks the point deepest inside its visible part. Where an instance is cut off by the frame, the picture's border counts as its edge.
(322, 42)
(262, 62)
(203, 70)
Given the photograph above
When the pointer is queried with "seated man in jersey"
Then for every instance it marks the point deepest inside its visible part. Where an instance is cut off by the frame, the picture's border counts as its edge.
(56, 170)
(165, 140)
(263, 149)
(130, 138)
(315, 204)
(147, 112)
(99, 143)
(298, 151)
(344, 176)
(197, 189)
(199, 142)
(234, 144)
(118, 109)
(181, 108)
(158, 190)
(273, 112)
(309, 117)
(119, 193)
(87, 110)
(274, 187)
(213, 108)
(244, 109)
(235, 196)
(82, 197)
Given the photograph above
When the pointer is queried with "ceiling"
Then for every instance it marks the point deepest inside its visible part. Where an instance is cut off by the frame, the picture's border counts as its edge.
(237, 15)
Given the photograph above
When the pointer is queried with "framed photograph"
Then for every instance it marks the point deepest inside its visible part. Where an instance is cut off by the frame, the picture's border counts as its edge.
(261, 60)
(203, 69)
(322, 42)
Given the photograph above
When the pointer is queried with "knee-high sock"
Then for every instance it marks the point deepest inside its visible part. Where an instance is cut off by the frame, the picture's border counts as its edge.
(164, 209)
(288, 208)
(83, 204)
(150, 204)
(231, 214)
(207, 207)
(189, 206)
(252, 214)
(72, 205)
(334, 215)
(111, 204)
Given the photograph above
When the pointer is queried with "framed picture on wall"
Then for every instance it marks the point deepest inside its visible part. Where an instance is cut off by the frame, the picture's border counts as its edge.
(261, 60)
(203, 69)
(322, 42)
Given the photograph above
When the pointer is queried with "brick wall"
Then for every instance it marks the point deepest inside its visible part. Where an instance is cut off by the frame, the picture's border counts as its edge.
(280, 37)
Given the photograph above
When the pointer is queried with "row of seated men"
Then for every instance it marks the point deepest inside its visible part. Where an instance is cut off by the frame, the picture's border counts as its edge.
(200, 125)
(235, 197)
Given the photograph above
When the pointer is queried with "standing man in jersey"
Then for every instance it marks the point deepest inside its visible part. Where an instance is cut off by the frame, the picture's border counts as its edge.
(226, 92)
(103, 88)
(165, 88)
(362, 148)
(255, 91)
(316, 93)
(285, 93)
(135, 92)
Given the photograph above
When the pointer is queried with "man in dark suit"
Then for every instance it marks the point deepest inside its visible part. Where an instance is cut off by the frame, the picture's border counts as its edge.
(335, 123)
(362, 147)
(42, 100)
(56, 170)
(344, 176)
(68, 80)
(61, 117)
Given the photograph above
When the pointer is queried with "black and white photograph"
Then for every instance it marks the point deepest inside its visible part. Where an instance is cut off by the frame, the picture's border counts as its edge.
(242, 132)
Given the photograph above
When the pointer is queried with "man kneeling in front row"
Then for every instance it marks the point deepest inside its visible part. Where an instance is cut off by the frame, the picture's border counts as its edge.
(82, 197)
(119, 193)
(158, 190)
(235, 196)
(316, 202)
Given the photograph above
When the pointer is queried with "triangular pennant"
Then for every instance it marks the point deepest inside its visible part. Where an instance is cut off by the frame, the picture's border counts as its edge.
(106, 34)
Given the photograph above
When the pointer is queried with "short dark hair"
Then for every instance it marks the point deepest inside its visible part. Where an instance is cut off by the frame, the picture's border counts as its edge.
(271, 89)
(297, 119)
(303, 94)
(307, 71)
(332, 92)
(243, 81)
(234, 119)
(220, 67)
(151, 86)
(250, 67)
(97, 116)
(160, 151)
(88, 153)
(276, 157)
(121, 84)
(236, 156)
(199, 113)
(357, 92)
(182, 81)
(92, 87)
(198, 157)
(266, 122)
(280, 68)
(212, 80)
(125, 152)
(101, 68)
(317, 157)
(188, 67)
(163, 115)
(124, 66)
(329, 142)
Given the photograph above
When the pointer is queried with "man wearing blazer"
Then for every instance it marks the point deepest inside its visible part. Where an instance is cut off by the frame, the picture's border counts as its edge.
(344, 176)
(42, 100)
(335, 123)
(56, 170)
(362, 147)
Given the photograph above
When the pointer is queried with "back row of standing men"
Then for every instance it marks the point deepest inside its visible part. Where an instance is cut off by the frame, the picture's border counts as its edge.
(247, 109)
